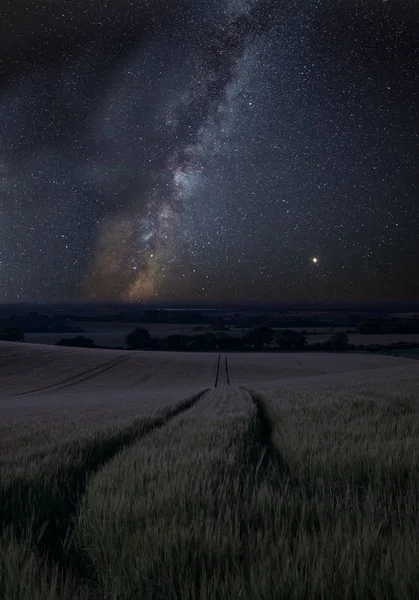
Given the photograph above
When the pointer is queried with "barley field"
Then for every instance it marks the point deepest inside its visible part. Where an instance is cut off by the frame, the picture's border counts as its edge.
(160, 476)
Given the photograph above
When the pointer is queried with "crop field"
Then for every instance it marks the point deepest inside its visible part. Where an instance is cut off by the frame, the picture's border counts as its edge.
(182, 476)
(366, 338)
(408, 353)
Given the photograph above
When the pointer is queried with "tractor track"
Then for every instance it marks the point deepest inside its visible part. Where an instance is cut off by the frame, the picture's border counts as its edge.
(218, 371)
(227, 370)
(222, 376)
(79, 378)
(54, 525)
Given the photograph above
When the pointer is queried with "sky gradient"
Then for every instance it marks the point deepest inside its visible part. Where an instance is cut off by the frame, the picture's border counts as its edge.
(224, 149)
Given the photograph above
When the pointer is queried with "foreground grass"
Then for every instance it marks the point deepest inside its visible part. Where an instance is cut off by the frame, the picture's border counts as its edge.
(39, 500)
(341, 496)
(318, 500)
(162, 520)
(305, 493)
(27, 575)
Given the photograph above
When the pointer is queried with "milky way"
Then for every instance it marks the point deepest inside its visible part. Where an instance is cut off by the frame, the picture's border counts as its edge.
(209, 151)
(137, 252)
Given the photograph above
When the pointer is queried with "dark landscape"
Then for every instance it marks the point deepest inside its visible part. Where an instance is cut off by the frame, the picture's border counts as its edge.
(209, 300)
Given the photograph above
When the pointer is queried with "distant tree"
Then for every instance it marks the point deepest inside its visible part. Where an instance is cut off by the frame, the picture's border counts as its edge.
(370, 325)
(35, 323)
(388, 326)
(339, 341)
(258, 336)
(138, 339)
(11, 334)
(178, 342)
(224, 341)
(218, 324)
(77, 342)
(205, 341)
(374, 347)
(290, 339)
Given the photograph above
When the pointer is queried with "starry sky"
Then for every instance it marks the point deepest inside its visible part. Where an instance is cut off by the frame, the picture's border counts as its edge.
(214, 150)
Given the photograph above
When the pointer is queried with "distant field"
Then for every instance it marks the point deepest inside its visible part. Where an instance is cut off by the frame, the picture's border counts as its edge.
(359, 338)
(113, 334)
(182, 476)
(408, 353)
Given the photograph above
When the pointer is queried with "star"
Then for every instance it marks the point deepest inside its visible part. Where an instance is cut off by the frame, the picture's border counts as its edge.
(208, 139)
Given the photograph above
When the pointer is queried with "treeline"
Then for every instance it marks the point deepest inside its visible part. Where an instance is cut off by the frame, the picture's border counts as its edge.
(79, 341)
(257, 338)
(11, 334)
(36, 323)
(385, 325)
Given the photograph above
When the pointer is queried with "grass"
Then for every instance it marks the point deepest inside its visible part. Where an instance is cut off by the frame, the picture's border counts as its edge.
(309, 491)
(344, 508)
(315, 501)
(26, 575)
(39, 501)
(162, 520)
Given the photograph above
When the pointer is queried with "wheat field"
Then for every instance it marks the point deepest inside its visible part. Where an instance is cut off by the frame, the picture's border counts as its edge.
(185, 476)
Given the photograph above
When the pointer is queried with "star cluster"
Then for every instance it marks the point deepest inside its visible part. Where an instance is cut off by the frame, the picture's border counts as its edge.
(226, 149)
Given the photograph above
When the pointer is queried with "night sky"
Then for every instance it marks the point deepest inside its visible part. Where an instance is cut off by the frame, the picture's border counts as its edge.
(209, 150)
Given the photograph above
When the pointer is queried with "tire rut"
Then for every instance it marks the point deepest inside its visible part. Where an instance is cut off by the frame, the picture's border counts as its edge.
(55, 504)
(218, 371)
(270, 460)
(223, 374)
(227, 371)
(79, 378)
